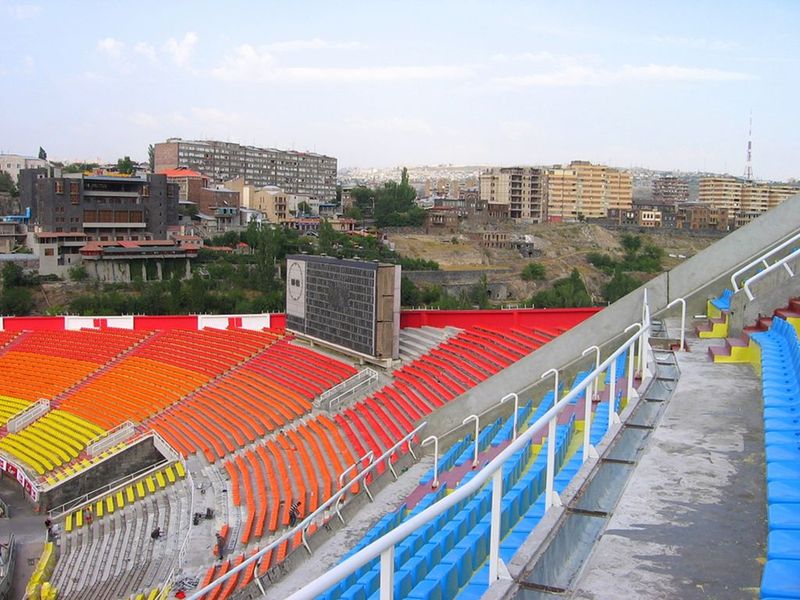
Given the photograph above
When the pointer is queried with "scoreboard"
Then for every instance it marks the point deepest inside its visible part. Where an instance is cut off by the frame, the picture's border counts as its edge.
(350, 303)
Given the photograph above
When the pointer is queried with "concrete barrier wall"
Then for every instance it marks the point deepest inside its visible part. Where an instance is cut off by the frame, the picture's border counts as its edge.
(702, 276)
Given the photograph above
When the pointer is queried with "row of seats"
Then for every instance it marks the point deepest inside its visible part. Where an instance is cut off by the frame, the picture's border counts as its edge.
(130, 494)
(83, 462)
(10, 406)
(207, 351)
(55, 439)
(442, 570)
(90, 345)
(133, 389)
(29, 376)
(780, 372)
(301, 465)
(250, 402)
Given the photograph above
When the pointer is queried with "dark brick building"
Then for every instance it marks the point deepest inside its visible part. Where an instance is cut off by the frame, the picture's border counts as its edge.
(105, 208)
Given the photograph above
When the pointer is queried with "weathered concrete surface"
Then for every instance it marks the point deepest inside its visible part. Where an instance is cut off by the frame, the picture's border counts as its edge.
(28, 529)
(691, 523)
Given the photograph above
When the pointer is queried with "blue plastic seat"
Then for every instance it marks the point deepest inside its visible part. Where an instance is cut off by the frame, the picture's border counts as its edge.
(784, 544)
(427, 589)
(781, 579)
(784, 516)
(783, 491)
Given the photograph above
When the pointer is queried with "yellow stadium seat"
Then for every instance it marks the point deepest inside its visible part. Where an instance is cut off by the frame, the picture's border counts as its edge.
(78, 518)
(120, 500)
(170, 474)
(99, 508)
(151, 486)
(179, 468)
(162, 483)
(68, 523)
(140, 489)
(153, 594)
(109, 504)
(129, 494)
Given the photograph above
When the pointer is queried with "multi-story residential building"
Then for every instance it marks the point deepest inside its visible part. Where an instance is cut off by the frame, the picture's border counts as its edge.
(670, 190)
(277, 205)
(295, 172)
(743, 199)
(101, 207)
(471, 196)
(698, 216)
(514, 192)
(14, 163)
(583, 190)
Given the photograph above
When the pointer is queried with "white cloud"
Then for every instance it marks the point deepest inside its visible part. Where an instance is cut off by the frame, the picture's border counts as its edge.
(517, 130)
(200, 116)
(110, 46)
(577, 75)
(146, 50)
(312, 44)
(695, 43)
(181, 51)
(538, 56)
(23, 11)
(252, 64)
(390, 125)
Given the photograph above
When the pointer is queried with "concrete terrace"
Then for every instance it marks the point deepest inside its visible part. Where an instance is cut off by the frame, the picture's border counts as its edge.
(691, 522)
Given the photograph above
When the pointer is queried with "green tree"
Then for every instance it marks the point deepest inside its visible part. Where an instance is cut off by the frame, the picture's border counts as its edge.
(303, 208)
(78, 273)
(620, 285)
(568, 292)
(327, 240)
(7, 184)
(395, 206)
(125, 166)
(42, 154)
(631, 243)
(354, 212)
(12, 275)
(80, 167)
(16, 301)
(409, 293)
(533, 271)
(151, 157)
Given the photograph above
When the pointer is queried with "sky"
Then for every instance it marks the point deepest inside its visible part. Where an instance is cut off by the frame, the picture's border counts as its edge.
(662, 85)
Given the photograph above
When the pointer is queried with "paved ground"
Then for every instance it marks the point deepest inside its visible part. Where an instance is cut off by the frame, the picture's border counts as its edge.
(691, 523)
(28, 528)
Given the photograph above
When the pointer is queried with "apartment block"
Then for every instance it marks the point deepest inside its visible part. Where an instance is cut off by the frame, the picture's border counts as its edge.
(582, 189)
(305, 173)
(670, 190)
(102, 207)
(514, 192)
(741, 198)
(697, 216)
(14, 163)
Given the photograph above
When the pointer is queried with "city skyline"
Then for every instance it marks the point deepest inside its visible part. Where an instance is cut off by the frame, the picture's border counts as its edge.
(377, 86)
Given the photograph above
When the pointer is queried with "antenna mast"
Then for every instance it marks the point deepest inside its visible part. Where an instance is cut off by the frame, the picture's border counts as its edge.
(748, 168)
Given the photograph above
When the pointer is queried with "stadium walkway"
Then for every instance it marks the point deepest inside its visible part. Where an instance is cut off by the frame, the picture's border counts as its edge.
(692, 520)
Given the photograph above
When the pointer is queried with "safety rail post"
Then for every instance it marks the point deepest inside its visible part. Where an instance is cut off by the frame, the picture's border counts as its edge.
(494, 531)
(475, 418)
(762, 259)
(782, 262)
(387, 574)
(682, 302)
(631, 367)
(516, 410)
(551, 445)
(587, 409)
(612, 392)
(426, 442)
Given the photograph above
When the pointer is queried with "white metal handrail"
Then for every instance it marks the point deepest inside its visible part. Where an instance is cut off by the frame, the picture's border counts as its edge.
(776, 265)
(167, 584)
(334, 395)
(762, 259)
(331, 502)
(384, 546)
(682, 302)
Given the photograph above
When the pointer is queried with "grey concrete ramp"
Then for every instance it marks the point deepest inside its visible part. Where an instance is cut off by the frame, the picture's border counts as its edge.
(692, 520)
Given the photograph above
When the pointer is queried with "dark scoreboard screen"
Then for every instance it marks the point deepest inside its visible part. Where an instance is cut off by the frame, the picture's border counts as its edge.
(333, 300)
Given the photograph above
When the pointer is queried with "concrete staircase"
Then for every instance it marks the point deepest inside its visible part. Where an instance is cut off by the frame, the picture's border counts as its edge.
(417, 341)
(115, 556)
